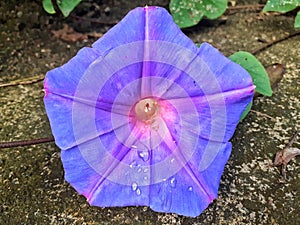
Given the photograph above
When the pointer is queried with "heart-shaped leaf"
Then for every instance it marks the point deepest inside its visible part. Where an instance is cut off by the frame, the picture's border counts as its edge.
(187, 13)
(65, 6)
(258, 73)
(282, 6)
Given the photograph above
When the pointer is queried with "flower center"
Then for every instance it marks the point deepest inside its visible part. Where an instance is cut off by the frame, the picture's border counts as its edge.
(146, 109)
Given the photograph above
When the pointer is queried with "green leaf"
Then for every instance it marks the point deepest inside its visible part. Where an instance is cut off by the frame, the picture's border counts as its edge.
(255, 69)
(297, 20)
(187, 13)
(282, 6)
(246, 111)
(48, 7)
(67, 6)
(214, 8)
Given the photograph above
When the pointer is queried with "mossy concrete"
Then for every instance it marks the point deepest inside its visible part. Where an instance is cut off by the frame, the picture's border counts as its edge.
(32, 186)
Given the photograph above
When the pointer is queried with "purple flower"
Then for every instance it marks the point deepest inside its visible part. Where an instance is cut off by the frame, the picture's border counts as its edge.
(144, 117)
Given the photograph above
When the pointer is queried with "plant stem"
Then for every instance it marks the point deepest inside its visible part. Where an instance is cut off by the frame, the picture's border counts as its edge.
(256, 51)
(29, 80)
(94, 20)
(11, 144)
(257, 7)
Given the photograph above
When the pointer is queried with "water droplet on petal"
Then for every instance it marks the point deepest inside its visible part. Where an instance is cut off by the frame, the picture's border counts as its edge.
(173, 182)
(133, 164)
(190, 188)
(134, 186)
(144, 155)
(138, 191)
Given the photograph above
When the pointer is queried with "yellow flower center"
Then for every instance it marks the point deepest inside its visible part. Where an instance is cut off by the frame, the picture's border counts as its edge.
(146, 109)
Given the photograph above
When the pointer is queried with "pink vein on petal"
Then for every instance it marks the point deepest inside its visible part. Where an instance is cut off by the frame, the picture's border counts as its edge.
(105, 106)
(93, 136)
(213, 98)
(145, 86)
(131, 140)
(167, 137)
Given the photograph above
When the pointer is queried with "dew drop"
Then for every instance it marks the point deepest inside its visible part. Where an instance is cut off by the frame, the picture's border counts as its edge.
(133, 164)
(144, 155)
(173, 182)
(134, 186)
(190, 188)
(138, 191)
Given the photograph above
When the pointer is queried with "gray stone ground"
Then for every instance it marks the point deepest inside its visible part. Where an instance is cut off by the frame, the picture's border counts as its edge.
(32, 187)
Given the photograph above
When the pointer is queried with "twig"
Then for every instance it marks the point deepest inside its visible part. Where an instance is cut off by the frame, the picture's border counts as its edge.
(29, 80)
(254, 52)
(263, 114)
(292, 140)
(257, 7)
(11, 144)
(94, 20)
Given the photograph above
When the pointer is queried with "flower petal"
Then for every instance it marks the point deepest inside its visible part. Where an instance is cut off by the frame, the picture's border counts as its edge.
(99, 190)
(186, 196)
(144, 23)
(172, 163)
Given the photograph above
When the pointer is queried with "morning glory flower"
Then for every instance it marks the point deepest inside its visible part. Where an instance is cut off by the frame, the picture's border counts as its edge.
(144, 116)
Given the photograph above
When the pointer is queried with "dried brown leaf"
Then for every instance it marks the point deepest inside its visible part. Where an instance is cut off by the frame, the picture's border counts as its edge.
(275, 73)
(68, 34)
(283, 157)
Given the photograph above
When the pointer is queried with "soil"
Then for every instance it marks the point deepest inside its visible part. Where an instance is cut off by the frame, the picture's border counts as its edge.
(32, 186)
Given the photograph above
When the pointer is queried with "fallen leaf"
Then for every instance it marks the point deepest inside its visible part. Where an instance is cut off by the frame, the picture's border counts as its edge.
(275, 73)
(283, 157)
(95, 35)
(68, 34)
